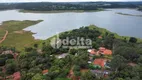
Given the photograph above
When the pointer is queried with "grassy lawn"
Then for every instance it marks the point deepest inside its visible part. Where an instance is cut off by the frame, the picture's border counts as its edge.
(2, 32)
(17, 37)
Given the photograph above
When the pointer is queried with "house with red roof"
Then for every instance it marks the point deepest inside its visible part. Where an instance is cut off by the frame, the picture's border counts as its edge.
(104, 51)
(100, 37)
(100, 62)
(16, 76)
(44, 72)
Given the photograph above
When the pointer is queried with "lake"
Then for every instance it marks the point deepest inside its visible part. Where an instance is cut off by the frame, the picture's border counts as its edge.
(54, 23)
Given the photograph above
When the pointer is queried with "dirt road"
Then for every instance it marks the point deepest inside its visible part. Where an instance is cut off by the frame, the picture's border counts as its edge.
(4, 37)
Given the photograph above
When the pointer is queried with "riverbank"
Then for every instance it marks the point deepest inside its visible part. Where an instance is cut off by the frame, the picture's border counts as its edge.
(17, 37)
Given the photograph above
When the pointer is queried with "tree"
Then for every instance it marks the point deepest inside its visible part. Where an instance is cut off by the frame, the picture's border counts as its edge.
(28, 49)
(140, 59)
(36, 45)
(62, 79)
(76, 70)
(38, 77)
(128, 53)
(117, 62)
(88, 76)
(2, 61)
(73, 51)
(11, 68)
(133, 40)
(119, 79)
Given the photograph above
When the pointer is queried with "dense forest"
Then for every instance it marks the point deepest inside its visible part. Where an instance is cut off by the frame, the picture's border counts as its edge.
(49, 6)
(32, 63)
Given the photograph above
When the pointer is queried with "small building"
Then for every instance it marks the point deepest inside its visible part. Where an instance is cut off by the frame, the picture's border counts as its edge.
(16, 76)
(100, 37)
(105, 51)
(100, 62)
(44, 72)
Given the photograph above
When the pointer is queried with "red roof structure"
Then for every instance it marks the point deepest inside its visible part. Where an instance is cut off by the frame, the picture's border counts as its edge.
(105, 51)
(16, 76)
(45, 71)
(100, 37)
(100, 62)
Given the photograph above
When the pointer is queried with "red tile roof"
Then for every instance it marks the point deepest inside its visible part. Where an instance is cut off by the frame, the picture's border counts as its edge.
(16, 76)
(100, 62)
(100, 37)
(107, 52)
(45, 71)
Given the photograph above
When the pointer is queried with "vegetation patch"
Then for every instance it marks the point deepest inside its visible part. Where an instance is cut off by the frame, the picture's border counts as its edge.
(16, 36)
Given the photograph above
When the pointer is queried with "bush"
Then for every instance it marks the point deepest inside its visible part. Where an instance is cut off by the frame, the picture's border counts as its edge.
(133, 40)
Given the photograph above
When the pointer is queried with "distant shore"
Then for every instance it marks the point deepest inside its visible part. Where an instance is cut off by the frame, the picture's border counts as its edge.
(60, 11)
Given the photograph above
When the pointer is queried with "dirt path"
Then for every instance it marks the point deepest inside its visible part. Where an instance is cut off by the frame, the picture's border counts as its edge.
(4, 37)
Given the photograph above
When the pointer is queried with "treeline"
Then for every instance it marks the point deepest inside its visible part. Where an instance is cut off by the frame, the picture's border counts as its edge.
(48, 6)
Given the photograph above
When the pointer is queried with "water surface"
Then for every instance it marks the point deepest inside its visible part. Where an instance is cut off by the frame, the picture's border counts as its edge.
(59, 22)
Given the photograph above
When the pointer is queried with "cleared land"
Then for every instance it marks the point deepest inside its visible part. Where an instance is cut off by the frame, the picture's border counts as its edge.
(16, 36)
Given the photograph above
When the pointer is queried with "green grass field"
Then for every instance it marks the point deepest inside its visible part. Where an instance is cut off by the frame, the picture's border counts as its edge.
(17, 37)
(2, 32)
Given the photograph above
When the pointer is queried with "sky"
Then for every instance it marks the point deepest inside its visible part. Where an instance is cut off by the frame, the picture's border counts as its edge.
(60, 0)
